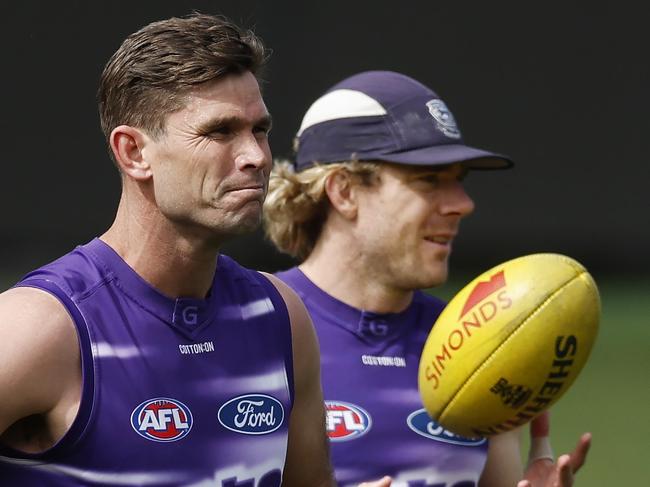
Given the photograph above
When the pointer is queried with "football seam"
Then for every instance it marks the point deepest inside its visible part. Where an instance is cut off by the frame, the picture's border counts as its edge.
(490, 357)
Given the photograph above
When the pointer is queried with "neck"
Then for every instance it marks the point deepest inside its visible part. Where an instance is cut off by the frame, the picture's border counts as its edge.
(343, 273)
(176, 264)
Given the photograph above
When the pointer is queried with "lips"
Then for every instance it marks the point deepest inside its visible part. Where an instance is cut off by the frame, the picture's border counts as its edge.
(442, 239)
(252, 187)
(247, 192)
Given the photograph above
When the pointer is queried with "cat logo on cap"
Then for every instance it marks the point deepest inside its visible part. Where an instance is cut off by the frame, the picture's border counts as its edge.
(445, 121)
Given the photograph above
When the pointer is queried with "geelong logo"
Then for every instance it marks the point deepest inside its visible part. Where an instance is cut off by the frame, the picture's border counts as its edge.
(162, 419)
(346, 421)
(252, 414)
(420, 422)
(444, 119)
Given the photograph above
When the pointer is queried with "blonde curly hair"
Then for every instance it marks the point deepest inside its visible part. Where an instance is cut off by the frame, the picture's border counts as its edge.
(296, 206)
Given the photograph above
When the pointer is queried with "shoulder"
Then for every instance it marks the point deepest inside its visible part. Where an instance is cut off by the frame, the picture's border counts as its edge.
(33, 312)
(39, 349)
(304, 339)
(75, 273)
(290, 276)
(295, 307)
(305, 349)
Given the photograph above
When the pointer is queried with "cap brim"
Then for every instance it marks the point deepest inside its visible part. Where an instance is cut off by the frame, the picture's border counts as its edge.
(447, 154)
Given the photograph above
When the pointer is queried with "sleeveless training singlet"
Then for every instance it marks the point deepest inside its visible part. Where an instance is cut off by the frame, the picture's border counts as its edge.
(375, 419)
(176, 392)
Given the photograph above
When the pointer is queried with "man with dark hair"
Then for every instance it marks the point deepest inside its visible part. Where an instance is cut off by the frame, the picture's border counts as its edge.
(371, 206)
(145, 357)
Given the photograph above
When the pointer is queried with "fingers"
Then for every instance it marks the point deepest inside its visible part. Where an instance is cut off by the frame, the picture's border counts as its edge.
(540, 443)
(560, 473)
(565, 471)
(579, 454)
(383, 482)
(541, 425)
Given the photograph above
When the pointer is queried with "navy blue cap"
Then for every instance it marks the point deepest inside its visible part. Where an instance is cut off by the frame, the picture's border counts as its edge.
(385, 116)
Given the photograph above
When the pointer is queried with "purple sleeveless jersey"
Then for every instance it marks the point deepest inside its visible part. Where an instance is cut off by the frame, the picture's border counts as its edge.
(176, 392)
(375, 419)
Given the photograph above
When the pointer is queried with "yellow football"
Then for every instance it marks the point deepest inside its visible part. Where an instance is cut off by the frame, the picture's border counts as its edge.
(509, 344)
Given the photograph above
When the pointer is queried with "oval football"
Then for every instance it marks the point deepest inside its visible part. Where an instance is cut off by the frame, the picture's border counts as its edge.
(509, 344)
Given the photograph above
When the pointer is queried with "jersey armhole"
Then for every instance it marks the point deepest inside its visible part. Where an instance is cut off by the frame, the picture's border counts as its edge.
(281, 308)
(86, 403)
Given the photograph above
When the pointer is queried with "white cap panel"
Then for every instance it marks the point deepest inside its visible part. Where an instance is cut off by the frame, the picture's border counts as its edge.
(340, 104)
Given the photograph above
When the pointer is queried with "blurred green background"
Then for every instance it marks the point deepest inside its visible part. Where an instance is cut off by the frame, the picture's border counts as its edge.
(611, 397)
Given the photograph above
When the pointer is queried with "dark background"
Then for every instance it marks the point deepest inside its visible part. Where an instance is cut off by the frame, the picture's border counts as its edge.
(560, 87)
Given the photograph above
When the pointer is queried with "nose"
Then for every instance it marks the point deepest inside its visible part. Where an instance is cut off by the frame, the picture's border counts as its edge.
(253, 153)
(456, 201)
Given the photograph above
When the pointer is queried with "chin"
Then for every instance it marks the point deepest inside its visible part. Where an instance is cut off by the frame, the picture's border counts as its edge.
(436, 277)
(219, 232)
(245, 225)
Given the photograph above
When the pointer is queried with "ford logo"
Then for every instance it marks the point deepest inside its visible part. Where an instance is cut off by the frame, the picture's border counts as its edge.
(252, 414)
(420, 422)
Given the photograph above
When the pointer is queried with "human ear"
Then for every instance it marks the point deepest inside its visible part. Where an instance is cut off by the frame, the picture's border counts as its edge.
(127, 144)
(342, 193)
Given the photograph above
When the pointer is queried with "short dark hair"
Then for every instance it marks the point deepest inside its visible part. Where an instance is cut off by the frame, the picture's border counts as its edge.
(148, 76)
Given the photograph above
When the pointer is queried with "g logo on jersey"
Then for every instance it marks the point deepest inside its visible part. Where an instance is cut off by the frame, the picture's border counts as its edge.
(252, 414)
(346, 421)
(420, 422)
(162, 419)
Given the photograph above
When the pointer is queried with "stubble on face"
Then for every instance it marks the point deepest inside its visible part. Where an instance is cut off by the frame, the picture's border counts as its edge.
(215, 159)
(408, 222)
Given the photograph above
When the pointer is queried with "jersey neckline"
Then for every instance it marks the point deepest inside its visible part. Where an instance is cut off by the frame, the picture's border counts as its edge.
(188, 315)
(368, 325)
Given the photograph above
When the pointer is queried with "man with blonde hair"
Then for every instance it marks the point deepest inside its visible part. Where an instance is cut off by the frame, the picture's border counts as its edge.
(371, 206)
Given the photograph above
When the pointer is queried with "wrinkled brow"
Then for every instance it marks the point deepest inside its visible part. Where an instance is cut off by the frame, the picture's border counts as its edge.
(265, 122)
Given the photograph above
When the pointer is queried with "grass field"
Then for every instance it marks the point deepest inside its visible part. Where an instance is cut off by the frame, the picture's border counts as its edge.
(611, 398)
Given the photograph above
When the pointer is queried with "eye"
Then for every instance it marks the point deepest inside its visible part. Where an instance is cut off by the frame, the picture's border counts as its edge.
(431, 179)
(220, 131)
(262, 130)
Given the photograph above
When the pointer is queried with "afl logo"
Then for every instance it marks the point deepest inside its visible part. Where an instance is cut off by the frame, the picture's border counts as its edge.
(252, 414)
(346, 421)
(162, 419)
(420, 422)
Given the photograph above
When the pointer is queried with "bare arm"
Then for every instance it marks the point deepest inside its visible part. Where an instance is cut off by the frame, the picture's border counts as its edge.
(39, 368)
(307, 460)
(503, 466)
